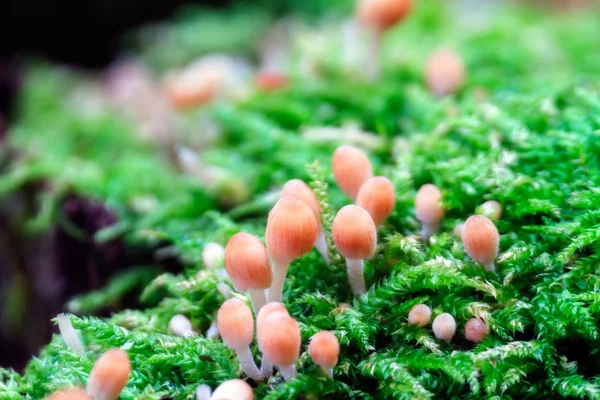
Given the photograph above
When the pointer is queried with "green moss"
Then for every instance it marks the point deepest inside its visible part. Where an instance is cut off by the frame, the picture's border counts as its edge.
(533, 146)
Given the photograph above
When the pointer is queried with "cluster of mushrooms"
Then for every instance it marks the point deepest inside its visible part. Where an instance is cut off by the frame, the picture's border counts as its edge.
(293, 229)
(213, 76)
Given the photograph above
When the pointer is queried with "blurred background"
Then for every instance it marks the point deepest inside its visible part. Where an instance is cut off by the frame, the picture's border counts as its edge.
(90, 35)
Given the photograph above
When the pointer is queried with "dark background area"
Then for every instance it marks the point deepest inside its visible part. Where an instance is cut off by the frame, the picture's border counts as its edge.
(51, 268)
(85, 33)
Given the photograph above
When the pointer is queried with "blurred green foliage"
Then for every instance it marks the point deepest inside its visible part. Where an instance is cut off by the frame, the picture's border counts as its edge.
(524, 130)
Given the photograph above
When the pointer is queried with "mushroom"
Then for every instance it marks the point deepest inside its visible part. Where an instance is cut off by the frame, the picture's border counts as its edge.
(444, 72)
(181, 326)
(203, 392)
(355, 237)
(233, 389)
(109, 375)
(377, 197)
(379, 16)
(476, 330)
(249, 268)
(267, 367)
(299, 189)
(213, 255)
(236, 327)
(444, 327)
(351, 169)
(481, 240)
(279, 340)
(324, 350)
(291, 233)
(491, 209)
(429, 209)
(69, 394)
(419, 315)
(271, 80)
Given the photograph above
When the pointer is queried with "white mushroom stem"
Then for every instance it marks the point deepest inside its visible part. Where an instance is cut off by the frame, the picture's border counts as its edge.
(213, 331)
(428, 230)
(258, 298)
(327, 370)
(489, 266)
(224, 289)
(356, 276)
(266, 367)
(321, 246)
(288, 372)
(69, 335)
(372, 62)
(247, 363)
(279, 272)
(203, 392)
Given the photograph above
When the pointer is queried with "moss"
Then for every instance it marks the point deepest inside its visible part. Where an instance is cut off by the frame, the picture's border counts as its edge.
(533, 146)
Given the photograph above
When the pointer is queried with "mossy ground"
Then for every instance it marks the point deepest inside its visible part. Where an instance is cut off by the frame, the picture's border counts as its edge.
(524, 130)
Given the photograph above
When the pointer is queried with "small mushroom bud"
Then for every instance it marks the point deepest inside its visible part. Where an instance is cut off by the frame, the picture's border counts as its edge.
(324, 350)
(444, 72)
(383, 14)
(181, 326)
(355, 237)
(291, 232)
(419, 315)
(109, 375)
(213, 255)
(268, 309)
(280, 340)
(481, 240)
(379, 16)
(270, 80)
(476, 330)
(249, 267)
(351, 169)
(193, 86)
(236, 327)
(203, 392)
(491, 209)
(444, 327)
(69, 394)
(233, 389)
(300, 190)
(429, 209)
(377, 197)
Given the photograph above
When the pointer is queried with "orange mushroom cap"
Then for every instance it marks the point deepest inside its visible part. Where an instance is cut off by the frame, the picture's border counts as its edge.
(351, 169)
(428, 204)
(419, 315)
(444, 72)
(233, 389)
(279, 339)
(247, 263)
(109, 374)
(268, 80)
(382, 14)
(354, 233)
(291, 229)
(300, 190)
(69, 394)
(377, 197)
(265, 311)
(475, 330)
(324, 349)
(235, 323)
(481, 239)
